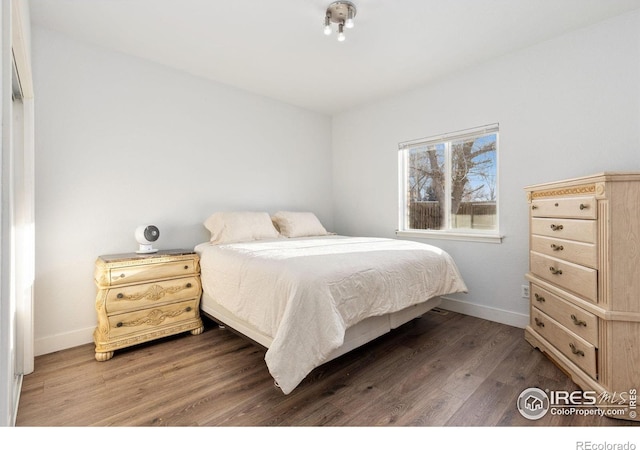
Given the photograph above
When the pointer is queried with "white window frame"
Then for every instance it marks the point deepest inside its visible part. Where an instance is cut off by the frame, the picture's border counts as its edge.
(491, 236)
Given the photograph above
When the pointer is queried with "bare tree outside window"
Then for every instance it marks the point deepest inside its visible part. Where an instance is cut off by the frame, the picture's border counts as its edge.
(426, 186)
(451, 184)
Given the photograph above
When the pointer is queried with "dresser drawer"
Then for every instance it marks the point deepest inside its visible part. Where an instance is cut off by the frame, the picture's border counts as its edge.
(579, 279)
(581, 253)
(139, 273)
(572, 229)
(581, 352)
(572, 317)
(569, 207)
(146, 295)
(152, 318)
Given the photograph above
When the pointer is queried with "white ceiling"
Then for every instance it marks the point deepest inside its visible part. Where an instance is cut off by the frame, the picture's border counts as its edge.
(277, 48)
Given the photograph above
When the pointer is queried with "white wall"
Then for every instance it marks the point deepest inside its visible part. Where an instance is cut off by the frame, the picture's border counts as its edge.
(121, 142)
(566, 107)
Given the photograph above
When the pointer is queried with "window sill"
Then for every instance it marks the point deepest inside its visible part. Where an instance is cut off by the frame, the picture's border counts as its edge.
(451, 236)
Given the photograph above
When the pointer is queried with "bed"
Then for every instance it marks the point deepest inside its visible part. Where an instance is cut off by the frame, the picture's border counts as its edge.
(309, 296)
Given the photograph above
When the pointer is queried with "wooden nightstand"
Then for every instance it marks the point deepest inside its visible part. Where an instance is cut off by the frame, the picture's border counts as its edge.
(142, 297)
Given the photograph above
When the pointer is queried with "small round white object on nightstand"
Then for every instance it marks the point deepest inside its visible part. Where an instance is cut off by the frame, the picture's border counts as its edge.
(146, 235)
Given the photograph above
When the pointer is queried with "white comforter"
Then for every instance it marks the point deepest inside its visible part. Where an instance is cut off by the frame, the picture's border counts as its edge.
(306, 292)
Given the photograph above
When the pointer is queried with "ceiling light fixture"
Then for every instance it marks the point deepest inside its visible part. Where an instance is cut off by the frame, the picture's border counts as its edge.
(341, 13)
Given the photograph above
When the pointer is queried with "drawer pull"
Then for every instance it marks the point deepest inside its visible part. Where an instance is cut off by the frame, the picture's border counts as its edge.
(534, 207)
(539, 322)
(556, 227)
(555, 271)
(583, 206)
(119, 324)
(120, 295)
(575, 351)
(122, 275)
(539, 298)
(557, 248)
(578, 322)
(186, 267)
(188, 285)
(188, 308)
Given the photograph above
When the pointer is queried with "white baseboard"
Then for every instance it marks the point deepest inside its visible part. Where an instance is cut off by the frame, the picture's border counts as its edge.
(485, 312)
(63, 341)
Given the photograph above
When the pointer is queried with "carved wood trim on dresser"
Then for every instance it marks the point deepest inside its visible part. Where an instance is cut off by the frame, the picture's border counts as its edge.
(142, 297)
(584, 275)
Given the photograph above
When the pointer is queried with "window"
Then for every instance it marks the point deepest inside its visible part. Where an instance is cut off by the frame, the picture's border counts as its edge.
(448, 185)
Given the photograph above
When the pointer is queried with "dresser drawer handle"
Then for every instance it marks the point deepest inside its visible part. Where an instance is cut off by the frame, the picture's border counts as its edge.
(188, 308)
(555, 227)
(120, 295)
(534, 207)
(188, 285)
(578, 322)
(119, 324)
(186, 267)
(539, 322)
(583, 206)
(539, 298)
(575, 351)
(555, 271)
(557, 248)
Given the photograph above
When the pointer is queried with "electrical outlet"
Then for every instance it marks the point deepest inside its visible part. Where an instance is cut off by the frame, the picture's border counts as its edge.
(525, 291)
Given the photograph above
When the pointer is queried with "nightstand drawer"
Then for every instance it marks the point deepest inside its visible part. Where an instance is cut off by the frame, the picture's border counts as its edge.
(152, 318)
(579, 279)
(574, 318)
(140, 296)
(157, 271)
(581, 253)
(572, 229)
(581, 352)
(569, 207)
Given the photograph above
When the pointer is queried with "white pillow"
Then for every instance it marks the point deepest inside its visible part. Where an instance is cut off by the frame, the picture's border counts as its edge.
(298, 224)
(240, 226)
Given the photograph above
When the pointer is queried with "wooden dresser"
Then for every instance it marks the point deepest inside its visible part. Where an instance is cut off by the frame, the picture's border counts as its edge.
(584, 274)
(142, 297)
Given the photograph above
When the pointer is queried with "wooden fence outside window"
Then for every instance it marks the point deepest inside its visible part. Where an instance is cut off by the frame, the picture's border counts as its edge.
(476, 215)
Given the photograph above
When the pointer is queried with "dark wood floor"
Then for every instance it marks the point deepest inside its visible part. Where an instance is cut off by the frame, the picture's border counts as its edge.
(444, 369)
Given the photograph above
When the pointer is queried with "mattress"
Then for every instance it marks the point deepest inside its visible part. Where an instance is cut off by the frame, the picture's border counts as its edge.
(302, 294)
